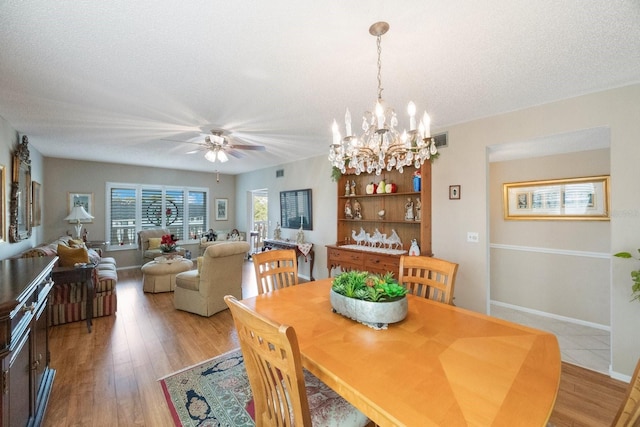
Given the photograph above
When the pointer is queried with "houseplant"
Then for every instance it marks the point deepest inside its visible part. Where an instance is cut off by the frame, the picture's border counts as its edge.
(370, 299)
(168, 243)
(635, 276)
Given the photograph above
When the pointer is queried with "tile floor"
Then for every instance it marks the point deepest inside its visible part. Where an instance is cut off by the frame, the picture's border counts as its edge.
(579, 345)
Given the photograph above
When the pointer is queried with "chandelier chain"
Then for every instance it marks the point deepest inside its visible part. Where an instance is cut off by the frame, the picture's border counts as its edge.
(379, 38)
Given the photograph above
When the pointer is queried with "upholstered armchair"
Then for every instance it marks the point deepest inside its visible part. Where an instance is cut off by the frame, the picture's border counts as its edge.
(219, 273)
(149, 243)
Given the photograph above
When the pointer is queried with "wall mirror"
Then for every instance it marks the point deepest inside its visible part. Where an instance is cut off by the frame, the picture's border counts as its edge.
(295, 209)
(20, 205)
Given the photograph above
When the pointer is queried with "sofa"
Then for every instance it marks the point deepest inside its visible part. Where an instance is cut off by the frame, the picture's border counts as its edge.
(214, 237)
(68, 301)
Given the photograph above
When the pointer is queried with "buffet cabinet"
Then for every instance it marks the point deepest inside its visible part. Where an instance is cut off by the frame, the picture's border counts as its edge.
(26, 379)
(360, 214)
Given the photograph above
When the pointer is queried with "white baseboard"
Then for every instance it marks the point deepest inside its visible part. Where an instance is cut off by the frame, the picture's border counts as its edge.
(552, 316)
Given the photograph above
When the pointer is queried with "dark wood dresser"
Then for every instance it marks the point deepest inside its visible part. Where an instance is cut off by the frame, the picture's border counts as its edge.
(26, 378)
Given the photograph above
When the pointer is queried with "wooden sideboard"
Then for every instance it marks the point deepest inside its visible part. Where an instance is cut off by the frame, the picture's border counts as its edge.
(26, 379)
(354, 259)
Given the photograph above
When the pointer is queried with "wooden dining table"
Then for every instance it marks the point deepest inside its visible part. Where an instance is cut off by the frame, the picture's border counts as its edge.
(440, 366)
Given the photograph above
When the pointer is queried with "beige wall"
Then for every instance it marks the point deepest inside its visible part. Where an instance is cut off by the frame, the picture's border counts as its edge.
(559, 267)
(62, 176)
(465, 162)
(314, 173)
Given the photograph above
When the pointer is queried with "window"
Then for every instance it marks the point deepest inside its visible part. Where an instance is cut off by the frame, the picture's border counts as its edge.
(135, 207)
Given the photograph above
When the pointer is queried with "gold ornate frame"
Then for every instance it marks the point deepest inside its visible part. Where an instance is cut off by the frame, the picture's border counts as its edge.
(585, 198)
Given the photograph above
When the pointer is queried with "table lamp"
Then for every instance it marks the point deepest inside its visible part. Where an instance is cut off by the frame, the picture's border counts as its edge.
(77, 214)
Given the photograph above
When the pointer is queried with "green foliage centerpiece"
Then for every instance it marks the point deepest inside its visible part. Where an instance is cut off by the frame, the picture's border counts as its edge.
(370, 299)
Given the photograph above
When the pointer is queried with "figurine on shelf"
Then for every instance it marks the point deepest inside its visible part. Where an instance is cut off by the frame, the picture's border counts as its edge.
(348, 214)
(277, 232)
(408, 207)
(357, 213)
(353, 187)
(414, 250)
(418, 209)
(347, 189)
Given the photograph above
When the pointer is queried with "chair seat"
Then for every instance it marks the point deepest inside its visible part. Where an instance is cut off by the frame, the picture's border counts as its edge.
(326, 406)
(188, 280)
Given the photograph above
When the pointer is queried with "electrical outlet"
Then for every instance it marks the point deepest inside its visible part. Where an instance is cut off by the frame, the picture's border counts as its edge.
(473, 237)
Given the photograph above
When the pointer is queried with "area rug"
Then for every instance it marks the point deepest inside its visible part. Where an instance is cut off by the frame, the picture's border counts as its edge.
(212, 393)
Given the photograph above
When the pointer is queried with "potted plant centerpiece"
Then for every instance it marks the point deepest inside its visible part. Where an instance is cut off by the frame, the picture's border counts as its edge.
(168, 244)
(370, 299)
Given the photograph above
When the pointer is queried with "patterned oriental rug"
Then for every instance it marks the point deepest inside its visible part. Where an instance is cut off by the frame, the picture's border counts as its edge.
(212, 393)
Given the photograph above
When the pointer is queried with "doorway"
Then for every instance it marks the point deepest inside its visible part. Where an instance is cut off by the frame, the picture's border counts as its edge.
(259, 218)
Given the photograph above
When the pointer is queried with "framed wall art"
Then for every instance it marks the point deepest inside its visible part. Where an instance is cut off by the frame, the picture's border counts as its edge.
(81, 199)
(296, 209)
(221, 209)
(584, 198)
(36, 214)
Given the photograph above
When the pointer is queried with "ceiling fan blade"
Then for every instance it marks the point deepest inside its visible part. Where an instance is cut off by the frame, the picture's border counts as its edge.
(248, 147)
(234, 153)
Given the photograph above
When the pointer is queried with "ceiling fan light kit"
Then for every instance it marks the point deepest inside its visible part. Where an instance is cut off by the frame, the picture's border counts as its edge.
(218, 147)
(381, 146)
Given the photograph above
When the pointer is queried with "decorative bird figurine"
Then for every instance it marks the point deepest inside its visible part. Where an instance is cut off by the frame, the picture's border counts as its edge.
(381, 214)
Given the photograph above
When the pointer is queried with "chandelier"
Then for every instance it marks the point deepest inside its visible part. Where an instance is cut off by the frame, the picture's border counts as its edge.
(381, 146)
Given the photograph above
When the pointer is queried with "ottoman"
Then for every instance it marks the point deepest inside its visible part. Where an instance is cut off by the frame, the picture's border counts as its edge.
(160, 276)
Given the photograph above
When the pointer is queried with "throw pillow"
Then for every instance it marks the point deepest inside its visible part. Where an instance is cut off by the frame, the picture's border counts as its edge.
(70, 256)
(154, 242)
(76, 243)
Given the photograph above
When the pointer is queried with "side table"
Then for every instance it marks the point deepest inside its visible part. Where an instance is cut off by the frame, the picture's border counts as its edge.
(82, 275)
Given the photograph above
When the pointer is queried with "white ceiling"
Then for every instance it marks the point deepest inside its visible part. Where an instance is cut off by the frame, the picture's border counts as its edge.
(120, 81)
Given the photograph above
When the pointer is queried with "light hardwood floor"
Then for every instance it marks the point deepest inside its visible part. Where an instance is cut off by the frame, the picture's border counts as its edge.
(110, 377)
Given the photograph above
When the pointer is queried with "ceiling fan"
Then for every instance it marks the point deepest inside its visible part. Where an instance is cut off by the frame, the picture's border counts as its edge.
(218, 146)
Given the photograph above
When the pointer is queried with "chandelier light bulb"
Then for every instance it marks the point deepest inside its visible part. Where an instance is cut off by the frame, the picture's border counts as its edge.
(347, 122)
(426, 121)
(411, 110)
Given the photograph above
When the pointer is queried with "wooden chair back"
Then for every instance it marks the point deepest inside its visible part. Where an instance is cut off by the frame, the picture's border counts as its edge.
(629, 413)
(275, 269)
(428, 277)
(274, 367)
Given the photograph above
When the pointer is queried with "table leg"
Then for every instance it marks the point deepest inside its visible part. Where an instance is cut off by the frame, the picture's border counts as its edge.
(90, 290)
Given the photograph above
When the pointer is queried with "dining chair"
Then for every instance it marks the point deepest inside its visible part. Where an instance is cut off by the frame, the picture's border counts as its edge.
(275, 269)
(428, 277)
(629, 413)
(284, 394)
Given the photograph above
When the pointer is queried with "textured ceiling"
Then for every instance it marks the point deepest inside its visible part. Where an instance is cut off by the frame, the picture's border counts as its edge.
(120, 81)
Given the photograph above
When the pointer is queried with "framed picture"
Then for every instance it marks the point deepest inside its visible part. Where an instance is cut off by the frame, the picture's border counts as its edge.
(81, 199)
(221, 209)
(454, 192)
(558, 199)
(296, 209)
(36, 214)
(3, 218)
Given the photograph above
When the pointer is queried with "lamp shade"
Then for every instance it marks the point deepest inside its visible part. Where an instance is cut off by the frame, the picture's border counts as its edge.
(78, 214)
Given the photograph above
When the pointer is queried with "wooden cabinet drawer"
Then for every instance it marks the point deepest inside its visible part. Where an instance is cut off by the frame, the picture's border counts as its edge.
(381, 264)
(343, 256)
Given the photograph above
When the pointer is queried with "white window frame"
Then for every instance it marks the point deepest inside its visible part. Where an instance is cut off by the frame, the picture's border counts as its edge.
(138, 210)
